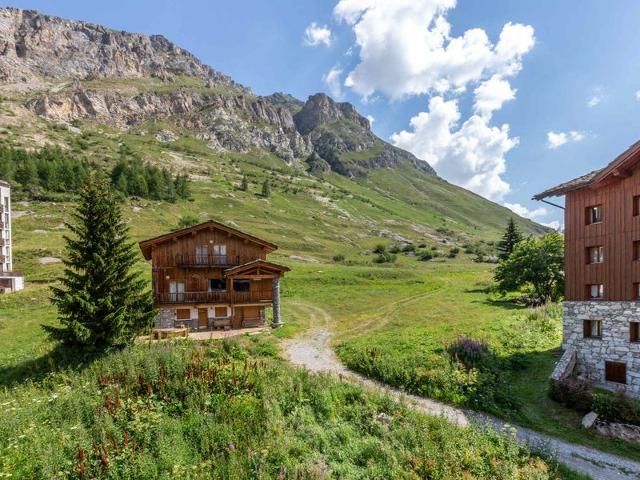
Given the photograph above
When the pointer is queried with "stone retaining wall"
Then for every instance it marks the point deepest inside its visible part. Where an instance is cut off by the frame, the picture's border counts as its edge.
(613, 345)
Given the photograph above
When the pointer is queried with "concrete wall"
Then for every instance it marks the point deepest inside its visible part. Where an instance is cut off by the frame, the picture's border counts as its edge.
(614, 344)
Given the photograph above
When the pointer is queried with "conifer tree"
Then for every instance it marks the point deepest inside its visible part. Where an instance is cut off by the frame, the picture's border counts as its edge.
(266, 190)
(511, 237)
(102, 302)
(244, 185)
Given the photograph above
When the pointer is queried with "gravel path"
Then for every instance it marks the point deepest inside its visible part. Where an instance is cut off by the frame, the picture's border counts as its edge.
(314, 353)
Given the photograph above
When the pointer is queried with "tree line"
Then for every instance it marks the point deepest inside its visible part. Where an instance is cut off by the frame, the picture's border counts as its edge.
(51, 169)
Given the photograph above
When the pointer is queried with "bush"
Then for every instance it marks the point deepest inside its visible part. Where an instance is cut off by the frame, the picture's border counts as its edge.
(394, 249)
(338, 258)
(616, 408)
(385, 258)
(468, 351)
(453, 253)
(409, 247)
(380, 248)
(573, 393)
(426, 256)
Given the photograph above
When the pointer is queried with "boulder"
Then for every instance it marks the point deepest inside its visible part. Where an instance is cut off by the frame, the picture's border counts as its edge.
(589, 419)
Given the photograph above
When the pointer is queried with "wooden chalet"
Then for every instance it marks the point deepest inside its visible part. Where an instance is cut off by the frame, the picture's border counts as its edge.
(212, 276)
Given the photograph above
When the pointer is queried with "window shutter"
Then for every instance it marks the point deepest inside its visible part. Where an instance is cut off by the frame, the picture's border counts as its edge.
(586, 328)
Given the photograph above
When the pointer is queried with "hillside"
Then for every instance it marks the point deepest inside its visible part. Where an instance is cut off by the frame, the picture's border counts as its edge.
(90, 89)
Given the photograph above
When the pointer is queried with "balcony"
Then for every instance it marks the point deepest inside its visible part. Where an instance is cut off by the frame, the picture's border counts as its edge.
(261, 296)
(200, 260)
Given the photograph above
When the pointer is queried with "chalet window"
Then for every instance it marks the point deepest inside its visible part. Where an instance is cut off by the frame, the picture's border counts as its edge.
(615, 372)
(596, 291)
(220, 253)
(220, 312)
(594, 214)
(634, 331)
(636, 205)
(217, 285)
(636, 250)
(176, 291)
(183, 313)
(241, 285)
(592, 328)
(202, 254)
(595, 254)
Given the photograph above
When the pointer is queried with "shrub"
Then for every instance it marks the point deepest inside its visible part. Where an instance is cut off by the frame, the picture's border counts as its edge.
(394, 249)
(573, 393)
(380, 248)
(469, 351)
(338, 258)
(385, 258)
(409, 247)
(426, 256)
(453, 253)
(616, 408)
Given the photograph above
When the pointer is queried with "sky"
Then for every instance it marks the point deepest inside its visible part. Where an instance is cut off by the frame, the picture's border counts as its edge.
(503, 97)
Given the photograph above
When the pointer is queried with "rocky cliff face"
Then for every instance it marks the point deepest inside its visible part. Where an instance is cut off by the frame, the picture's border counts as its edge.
(79, 70)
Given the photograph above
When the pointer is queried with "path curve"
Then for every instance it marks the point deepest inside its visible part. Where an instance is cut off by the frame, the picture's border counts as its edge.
(313, 351)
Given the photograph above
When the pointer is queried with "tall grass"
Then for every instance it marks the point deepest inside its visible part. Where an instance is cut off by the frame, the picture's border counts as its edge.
(232, 410)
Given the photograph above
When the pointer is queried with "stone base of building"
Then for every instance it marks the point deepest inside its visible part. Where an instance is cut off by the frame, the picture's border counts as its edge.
(613, 345)
(218, 317)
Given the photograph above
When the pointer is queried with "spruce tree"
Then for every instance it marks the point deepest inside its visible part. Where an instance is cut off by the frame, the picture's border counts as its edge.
(102, 302)
(511, 237)
(244, 185)
(266, 190)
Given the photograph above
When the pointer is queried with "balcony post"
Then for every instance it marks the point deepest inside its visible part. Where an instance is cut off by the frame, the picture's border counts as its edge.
(275, 286)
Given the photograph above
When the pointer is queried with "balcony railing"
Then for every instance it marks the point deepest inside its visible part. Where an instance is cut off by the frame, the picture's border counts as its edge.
(201, 260)
(213, 297)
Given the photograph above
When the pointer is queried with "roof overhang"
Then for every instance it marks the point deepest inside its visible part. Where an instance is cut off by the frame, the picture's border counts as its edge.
(147, 245)
(619, 168)
(255, 268)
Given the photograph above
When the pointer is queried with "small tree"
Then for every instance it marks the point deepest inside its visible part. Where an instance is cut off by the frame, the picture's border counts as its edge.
(536, 263)
(102, 302)
(187, 220)
(244, 185)
(266, 189)
(511, 237)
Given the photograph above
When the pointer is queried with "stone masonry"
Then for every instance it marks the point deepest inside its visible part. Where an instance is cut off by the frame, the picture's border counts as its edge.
(613, 345)
(166, 318)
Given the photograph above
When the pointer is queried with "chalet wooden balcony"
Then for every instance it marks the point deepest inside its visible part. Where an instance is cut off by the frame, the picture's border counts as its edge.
(201, 260)
(261, 296)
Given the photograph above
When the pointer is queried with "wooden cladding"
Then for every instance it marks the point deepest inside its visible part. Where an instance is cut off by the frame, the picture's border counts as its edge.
(615, 372)
(602, 235)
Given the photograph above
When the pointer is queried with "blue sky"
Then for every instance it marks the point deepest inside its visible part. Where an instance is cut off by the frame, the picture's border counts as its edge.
(566, 68)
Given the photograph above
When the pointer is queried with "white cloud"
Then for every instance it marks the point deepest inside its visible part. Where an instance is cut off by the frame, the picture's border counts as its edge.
(596, 98)
(555, 140)
(491, 94)
(371, 119)
(555, 224)
(638, 95)
(525, 212)
(315, 35)
(333, 82)
(471, 155)
(406, 48)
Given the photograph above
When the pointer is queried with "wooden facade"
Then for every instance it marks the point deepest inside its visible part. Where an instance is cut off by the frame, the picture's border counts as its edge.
(616, 233)
(212, 276)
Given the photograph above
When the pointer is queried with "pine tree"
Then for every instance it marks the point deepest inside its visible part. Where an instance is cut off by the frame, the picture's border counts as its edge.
(511, 237)
(266, 190)
(102, 302)
(244, 185)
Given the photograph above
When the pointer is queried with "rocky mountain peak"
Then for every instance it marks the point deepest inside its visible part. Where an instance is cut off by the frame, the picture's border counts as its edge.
(34, 46)
(321, 109)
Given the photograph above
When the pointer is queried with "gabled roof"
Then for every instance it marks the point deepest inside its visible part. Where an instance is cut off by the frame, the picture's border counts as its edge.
(262, 265)
(146, 245)
(620, 167)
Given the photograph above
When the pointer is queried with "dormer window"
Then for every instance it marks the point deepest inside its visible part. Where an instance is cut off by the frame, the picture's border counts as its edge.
(594, 214)
(595, 254)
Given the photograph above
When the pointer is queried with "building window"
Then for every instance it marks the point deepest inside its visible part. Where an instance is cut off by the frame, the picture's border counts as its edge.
(595, 291)
(202, 254)
(220, 312)
(634, 331)
(592, 328)
(636, 205)
(594, 214)
(220, 254)
(595, 254)
(183, 314)
(615, 372)
(217, 285)
(241, 285)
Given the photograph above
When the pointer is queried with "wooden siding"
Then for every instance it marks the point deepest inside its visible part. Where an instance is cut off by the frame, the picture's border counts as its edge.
(616, 233)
